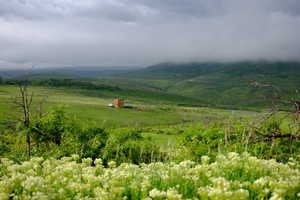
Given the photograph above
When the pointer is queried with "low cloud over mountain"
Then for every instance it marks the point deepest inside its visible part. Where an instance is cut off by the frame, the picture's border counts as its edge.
(143, 32)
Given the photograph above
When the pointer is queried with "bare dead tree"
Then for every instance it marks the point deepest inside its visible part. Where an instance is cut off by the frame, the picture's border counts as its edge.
(286, 101)
(296, 102)
(24, 102)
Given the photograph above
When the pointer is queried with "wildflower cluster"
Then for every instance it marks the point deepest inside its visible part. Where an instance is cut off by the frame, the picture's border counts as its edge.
(231, 176)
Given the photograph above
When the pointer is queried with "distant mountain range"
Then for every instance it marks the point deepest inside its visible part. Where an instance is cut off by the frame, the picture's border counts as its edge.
(240, 83)
(225, 84)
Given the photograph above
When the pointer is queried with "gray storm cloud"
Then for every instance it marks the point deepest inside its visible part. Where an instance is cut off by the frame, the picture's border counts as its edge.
(143, 32)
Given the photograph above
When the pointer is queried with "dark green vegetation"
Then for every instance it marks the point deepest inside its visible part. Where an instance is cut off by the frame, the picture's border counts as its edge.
(166, 122)
(104, 90)
(62, 118)
(144, 134)
(240, 85)
(229, 85)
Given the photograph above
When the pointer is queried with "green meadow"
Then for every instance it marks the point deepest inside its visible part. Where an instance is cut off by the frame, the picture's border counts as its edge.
(164, 147)
(90, 107)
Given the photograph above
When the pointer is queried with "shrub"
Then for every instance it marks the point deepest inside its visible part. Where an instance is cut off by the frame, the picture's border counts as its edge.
(92, 142)
(128, 145)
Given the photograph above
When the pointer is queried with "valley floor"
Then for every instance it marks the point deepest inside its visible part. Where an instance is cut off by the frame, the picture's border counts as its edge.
(81, 149)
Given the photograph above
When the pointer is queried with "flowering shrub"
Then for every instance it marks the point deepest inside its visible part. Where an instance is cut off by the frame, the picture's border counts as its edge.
(230, 176)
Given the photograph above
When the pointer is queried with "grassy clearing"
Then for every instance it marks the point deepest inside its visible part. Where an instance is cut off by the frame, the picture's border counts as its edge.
(92, 109)
(175, 152)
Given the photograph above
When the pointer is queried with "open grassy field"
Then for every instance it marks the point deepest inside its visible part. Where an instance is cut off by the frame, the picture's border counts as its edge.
(158, 150)
(91, 107)
(162, 121)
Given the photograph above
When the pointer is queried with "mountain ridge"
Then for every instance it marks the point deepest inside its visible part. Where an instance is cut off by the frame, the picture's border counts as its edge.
(211, 83)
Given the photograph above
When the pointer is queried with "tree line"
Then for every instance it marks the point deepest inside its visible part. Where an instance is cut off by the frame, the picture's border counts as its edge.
(56, 82)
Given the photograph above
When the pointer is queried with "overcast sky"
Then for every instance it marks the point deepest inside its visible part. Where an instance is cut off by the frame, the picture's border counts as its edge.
(145, 32)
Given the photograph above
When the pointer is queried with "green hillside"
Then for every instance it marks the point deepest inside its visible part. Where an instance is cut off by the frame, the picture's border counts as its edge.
(222, 84)
(243, 85)
(76, 147)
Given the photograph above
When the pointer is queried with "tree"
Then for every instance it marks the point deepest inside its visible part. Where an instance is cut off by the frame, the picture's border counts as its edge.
(286, 101)
(24, 102)
(50, 127)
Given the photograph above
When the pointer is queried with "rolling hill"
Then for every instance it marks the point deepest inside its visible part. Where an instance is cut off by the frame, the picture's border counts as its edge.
(231, 85)
(226, 84)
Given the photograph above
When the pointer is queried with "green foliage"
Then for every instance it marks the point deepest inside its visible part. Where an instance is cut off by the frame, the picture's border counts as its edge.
(71, 83)
(99, 170)
(130, 146)
(162, 133)
(229, 85)
(68, 83)
(269, 140)
(277, 137)
(50, 127)
(5, 143)
(203, 140)
(92, 142)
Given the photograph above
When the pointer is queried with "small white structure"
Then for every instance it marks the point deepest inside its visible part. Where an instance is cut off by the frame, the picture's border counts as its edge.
(111, 105)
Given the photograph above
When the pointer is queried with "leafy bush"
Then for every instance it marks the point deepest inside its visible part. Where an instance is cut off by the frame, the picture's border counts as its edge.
(50, 127)
(270, 140)
(128, 145)
(92, 142)
(200, 140)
